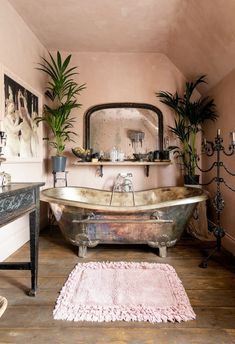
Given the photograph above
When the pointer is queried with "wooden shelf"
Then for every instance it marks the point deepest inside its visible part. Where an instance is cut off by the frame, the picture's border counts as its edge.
(146, 164)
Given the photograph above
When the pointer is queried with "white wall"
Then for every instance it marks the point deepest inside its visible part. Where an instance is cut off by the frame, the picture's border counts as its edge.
(19, 53)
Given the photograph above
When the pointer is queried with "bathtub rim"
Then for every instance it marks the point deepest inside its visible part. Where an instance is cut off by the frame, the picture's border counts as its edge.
(127, 209)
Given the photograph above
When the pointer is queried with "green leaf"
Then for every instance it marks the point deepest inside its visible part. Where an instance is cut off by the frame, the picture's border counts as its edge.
(189, 117)
(62, 90)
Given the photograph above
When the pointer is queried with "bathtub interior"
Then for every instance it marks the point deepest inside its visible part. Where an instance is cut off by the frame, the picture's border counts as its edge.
(141, 198)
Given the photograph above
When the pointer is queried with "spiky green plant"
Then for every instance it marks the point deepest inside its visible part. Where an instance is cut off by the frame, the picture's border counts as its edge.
(189, 117)
(62, 91)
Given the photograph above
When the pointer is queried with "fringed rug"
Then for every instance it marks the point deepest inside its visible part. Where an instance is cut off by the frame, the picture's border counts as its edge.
(123, 291)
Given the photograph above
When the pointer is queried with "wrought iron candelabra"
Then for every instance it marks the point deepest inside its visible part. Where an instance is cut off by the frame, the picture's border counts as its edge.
(210, 149)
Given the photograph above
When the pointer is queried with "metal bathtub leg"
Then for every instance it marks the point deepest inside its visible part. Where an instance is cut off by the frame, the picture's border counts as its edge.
(162, 251)
(163, 242)
(82, 247)
(82, 251)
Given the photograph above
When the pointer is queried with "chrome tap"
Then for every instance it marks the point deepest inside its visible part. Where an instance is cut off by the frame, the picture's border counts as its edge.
(123, 183)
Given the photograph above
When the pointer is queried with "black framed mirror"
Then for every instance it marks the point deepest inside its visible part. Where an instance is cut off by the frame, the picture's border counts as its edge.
(128, 127)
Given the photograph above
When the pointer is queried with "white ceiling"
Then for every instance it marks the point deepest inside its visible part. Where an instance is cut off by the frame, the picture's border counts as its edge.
(197, 35)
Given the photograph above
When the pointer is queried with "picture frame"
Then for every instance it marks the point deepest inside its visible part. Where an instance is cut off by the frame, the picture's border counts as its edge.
(20, 105)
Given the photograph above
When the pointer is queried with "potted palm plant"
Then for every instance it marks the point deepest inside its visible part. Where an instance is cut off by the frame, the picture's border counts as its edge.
(189, 116)
(61, 91)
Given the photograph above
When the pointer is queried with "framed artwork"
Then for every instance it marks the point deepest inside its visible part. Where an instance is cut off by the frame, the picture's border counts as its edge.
(21, 105)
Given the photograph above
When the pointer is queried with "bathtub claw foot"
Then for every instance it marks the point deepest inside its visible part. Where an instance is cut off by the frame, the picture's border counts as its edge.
(163, 251)
(82, 247)
(162, 248)
(163, 242)
(82, 251)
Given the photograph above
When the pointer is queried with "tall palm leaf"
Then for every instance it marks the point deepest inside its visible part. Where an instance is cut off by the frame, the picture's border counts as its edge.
(190, 115)
(62, 90)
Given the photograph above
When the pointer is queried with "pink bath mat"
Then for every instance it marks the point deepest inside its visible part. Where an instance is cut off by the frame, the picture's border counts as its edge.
(123, 291)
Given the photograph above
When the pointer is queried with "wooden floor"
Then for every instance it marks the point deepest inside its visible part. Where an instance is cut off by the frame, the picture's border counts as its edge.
(29, 319)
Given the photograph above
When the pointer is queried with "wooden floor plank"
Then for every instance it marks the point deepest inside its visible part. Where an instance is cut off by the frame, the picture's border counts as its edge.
(40, 315)
(201, 283)
(112, 336)
(198, 298)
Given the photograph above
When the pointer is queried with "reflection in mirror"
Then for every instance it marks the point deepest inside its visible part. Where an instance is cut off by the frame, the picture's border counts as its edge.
(123, 129)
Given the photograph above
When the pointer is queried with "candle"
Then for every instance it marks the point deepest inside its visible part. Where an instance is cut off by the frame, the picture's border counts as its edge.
(233, 136)
(205, 141)
(218, 132)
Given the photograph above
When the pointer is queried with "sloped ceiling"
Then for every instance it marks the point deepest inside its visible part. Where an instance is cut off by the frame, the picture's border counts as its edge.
(197, 35)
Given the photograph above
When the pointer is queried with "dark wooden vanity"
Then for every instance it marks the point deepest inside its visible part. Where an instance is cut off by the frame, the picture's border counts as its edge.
(16, 200)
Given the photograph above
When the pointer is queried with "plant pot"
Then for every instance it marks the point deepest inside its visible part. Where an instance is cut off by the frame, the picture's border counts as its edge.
(58, 163)
(191, 179)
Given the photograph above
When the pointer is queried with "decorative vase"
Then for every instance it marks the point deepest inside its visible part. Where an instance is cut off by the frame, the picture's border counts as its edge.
(191, 179)
(58, 163)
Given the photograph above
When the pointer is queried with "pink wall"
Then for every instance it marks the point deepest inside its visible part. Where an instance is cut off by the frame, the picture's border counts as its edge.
(120, 77)
(19, 53)
(223, 94)
(110, 77)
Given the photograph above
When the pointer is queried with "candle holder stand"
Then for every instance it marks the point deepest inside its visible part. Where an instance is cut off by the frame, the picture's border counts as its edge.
(210, 149)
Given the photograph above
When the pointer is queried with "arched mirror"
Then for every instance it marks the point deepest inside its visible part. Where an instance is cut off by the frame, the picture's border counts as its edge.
(127, 127)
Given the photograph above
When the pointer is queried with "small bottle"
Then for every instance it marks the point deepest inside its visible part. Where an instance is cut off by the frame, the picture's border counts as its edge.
(113, 154)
